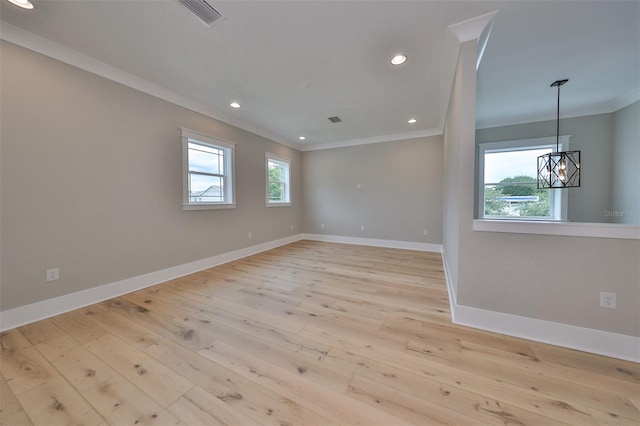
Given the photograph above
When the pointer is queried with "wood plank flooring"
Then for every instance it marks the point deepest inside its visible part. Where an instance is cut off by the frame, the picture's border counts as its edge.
(306, 334)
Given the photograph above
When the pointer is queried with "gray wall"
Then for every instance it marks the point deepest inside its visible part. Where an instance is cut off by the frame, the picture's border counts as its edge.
(401, 194)
(545, 277)
(593, 136)
(91, 183)
(553, 278)
(625, 184)
(459, 132)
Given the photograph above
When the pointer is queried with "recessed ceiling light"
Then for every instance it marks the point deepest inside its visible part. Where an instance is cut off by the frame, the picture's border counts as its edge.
(399, 59)
(302, 138)
(412, 121)
(234, 105)
(25, 4)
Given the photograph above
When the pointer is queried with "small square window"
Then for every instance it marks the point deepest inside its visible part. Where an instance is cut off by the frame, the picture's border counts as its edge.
(208, 181)
(507, 173)
(278, 171)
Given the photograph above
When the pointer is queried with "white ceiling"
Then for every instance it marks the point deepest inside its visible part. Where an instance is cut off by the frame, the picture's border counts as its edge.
(595, 44)
(293, 64)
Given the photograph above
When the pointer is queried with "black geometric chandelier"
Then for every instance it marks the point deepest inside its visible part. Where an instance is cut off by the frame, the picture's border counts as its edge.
(559, 169)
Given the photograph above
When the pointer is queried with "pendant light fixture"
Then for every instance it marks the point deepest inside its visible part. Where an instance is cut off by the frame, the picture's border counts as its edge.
(559, 169)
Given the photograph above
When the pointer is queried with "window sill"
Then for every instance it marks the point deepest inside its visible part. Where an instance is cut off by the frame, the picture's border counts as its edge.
(207, 206)
(278, 204)
(572, 229)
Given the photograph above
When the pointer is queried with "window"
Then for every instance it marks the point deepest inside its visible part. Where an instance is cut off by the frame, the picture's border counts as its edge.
(278, 174)
(208, 181)
(508, 189)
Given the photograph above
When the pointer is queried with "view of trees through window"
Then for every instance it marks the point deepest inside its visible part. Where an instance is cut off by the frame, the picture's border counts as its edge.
(510, 186)
(278, 181)
(516, 196)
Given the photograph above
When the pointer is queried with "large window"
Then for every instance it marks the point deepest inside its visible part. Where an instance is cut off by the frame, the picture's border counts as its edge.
(278, 176)
(507, 182)
(208, 172)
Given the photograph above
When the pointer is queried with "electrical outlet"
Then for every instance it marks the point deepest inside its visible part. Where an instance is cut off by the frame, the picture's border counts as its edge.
(360, 186)
(250, 235)
(608, 300)
(361, 228)
(322, 226)
(425, 232)
(52, 274)
(292, 226)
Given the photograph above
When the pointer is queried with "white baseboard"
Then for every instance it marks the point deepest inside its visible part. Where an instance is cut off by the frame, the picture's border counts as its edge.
(450, 290)
(584, 339)
(374, 242)
(22, 315)
(598, 342)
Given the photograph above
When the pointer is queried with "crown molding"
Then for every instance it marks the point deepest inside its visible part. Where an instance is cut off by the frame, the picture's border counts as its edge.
(373, 139)
(603, 108)
(625, 100)
(472, 29)
(31, 41)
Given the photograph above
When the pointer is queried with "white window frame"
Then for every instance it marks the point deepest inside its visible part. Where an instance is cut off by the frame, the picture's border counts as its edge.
(191, 136)
(558, 199)
(287, 182)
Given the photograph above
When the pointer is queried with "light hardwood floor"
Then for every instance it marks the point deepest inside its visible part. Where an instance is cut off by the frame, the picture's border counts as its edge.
(307, 334)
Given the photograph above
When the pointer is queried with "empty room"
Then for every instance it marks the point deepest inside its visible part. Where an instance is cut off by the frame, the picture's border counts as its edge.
(319, 212)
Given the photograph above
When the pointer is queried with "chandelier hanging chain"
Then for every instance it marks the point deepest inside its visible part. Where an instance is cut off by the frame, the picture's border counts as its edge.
(558, 121)
(558, 84)
(559, 169)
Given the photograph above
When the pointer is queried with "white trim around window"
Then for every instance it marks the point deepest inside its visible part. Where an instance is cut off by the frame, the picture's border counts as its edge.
(217, 168)
(278, 184)
(558, 198)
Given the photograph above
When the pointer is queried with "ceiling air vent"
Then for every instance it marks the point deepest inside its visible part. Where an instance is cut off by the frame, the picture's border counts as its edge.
(203, 10)
(335, 119)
